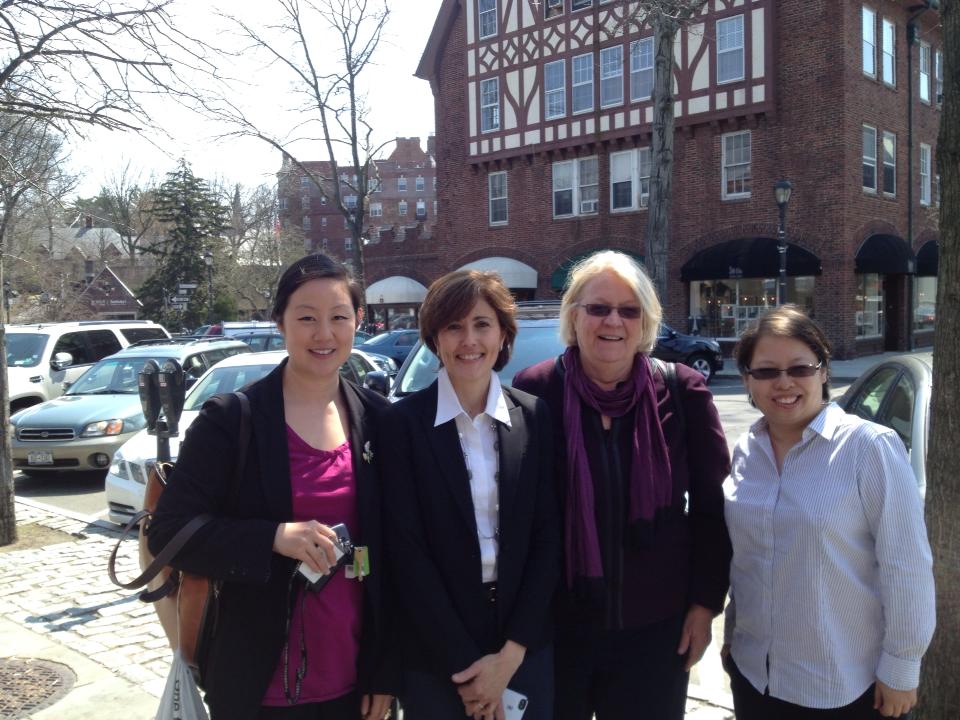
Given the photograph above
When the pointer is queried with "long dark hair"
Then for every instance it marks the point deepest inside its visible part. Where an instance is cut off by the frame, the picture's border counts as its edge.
(313, 267)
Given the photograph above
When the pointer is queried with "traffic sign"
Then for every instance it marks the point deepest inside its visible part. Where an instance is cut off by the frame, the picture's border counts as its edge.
(179, 300)
(187, 286)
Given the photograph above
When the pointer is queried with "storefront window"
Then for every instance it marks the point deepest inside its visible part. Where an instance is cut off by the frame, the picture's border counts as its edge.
(391, 317)
(869, 305)
(924, 303)
(725, 308)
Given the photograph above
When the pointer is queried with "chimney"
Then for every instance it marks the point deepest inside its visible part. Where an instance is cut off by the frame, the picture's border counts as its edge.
(88, 267)
(432, 146)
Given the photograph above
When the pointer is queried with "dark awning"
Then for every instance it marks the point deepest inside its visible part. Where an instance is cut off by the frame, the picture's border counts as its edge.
(558, 280)
(755, 257)
(885, 254)
(928, 259)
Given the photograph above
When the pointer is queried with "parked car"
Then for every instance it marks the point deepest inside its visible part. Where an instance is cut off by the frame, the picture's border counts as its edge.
(538, 338)
(262, 340)
(42, 358)
(231, 328)
(896, 392)
(80, 430)
(132, 461)
(395, 344)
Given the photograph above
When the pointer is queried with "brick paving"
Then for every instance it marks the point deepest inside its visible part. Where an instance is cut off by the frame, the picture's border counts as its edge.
(62, 590)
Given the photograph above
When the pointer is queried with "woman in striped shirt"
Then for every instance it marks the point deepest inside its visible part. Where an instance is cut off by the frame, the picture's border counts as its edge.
(831, 586)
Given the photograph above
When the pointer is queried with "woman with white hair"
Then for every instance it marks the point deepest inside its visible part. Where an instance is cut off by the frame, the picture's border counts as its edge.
(641, 464)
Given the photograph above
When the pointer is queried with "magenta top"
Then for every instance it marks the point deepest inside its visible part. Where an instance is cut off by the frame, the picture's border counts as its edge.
(323, 489)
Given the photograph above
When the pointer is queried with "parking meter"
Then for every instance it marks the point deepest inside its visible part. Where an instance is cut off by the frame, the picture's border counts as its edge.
(149, 394)
(170, 385)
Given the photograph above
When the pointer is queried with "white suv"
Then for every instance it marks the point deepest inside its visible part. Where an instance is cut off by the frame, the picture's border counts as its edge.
(41, 358)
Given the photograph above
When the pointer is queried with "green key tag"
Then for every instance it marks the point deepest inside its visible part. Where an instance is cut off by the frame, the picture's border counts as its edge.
(361, 562)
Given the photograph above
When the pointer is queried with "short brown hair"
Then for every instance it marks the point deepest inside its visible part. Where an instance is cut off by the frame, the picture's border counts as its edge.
(452, 296)
(786, 321)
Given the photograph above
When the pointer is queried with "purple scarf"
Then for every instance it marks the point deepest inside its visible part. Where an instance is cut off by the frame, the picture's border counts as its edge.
(650, 483)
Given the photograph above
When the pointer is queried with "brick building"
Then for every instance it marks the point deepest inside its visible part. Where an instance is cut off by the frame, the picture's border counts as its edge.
(543, 128)
(401, 213)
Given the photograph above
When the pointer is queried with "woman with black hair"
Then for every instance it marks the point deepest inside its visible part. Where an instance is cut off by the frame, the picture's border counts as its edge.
(280, 651)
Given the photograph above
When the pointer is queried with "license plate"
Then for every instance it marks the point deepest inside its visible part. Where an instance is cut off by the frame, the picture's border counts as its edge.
(40, 457)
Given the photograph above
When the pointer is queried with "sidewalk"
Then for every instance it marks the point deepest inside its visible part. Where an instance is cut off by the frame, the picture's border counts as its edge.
(57, 605)
(840, 370)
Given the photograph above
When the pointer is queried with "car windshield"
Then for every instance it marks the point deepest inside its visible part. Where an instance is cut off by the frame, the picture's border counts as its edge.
(112, 376)
(25, 349)
(536, 341)
(381, 339)
(224, 380)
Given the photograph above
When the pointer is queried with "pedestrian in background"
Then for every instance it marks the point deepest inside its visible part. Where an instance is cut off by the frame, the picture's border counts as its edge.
(279, 651)
(832, 597)
(472, 516)
(641, 466)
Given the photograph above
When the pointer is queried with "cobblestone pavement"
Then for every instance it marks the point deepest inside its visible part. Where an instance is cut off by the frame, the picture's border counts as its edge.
(62, 590)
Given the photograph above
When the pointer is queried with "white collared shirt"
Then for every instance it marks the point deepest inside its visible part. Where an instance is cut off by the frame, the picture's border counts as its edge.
(831, 583)
(478, 440)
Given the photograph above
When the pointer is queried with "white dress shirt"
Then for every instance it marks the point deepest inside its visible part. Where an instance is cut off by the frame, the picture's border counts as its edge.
(831, 582)
(478, 440)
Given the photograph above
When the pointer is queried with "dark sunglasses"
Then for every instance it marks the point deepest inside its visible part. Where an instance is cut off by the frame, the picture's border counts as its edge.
(794, 371)
(627, 312)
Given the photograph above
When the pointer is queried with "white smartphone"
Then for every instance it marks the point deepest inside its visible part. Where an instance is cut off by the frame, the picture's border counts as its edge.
(514, 704)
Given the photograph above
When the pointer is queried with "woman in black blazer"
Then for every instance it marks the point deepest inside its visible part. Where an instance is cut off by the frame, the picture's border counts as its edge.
(308, 467)
(471, 516)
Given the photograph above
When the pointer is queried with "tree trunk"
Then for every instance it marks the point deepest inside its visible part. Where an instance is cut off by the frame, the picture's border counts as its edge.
(940, 682)
(661, 150)
(8, 518)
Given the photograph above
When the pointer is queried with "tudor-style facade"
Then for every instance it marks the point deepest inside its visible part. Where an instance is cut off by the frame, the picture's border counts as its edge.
(543, 132)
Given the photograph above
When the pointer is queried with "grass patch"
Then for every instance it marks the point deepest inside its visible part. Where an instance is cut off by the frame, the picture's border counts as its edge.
(32, 535)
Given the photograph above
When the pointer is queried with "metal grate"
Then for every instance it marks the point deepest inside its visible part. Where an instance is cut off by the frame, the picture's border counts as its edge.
(29, 684)
(41, 434)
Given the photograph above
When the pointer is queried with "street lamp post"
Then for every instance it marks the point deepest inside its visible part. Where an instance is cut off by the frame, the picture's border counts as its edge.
(208, 259)
(781, 192)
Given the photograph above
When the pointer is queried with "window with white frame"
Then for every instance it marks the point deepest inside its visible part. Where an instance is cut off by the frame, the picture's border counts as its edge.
(575, 187)
(497, 198)
(487, 10)
(630, 179)
(375, 184)
(641, 69)
(419, 183)
(421, 209)
(401, 184)
(490, 104)
(348, 243)
(582, 86)
(305, 202)
(889, 163)
(925, 184)
(553, 8)
(869, 34)
(736, 159)
(730, 58)
(580, 4)
(938, 75)
(611, 76)
(924, 83)
(889, 38)
(284, 203)
(350, 201)
(434, 207)
(869, 158)
(304, 181)
(869, 305)
(376, 209)
(402, 207)
(306, 222)
(554, 90)
(323, 221)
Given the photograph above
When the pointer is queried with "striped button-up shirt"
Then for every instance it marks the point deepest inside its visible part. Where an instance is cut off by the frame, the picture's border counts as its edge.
(831, 582)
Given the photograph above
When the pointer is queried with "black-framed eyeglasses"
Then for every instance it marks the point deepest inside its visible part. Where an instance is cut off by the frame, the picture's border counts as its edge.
(794, 371)
(627, 312)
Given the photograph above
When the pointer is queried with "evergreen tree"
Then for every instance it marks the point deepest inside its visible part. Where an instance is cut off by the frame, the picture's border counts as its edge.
(196, 220)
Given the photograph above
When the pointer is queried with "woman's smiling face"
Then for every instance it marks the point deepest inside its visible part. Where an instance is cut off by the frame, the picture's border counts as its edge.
(318, 326)
(788, 403)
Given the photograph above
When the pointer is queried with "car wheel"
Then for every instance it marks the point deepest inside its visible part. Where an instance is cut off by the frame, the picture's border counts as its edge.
(701, 363)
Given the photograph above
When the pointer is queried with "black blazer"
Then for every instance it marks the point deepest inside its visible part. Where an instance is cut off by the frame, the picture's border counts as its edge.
(237, 546)
(433, 549)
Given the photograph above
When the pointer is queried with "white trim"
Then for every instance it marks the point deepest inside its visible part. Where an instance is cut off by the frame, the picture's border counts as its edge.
(740, 162)
(732, 49)
(867, 160)
(505, 197)
(887, 135)
(871, 41)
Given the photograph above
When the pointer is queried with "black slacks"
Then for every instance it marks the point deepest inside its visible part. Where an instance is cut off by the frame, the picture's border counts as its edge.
(751, 704)
(345, 707)
(631, 674)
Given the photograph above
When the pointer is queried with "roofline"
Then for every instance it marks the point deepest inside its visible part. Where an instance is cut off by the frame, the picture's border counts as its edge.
(427, 69)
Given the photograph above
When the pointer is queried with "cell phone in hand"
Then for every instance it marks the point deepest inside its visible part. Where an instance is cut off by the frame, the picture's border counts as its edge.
(342, 551)
(514, 704)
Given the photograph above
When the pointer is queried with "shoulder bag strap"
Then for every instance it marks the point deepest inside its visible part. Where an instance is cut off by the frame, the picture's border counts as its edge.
(669, 372)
